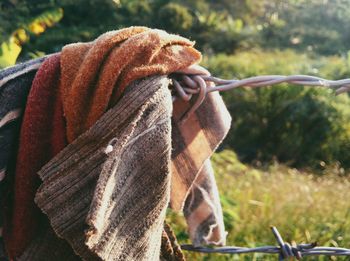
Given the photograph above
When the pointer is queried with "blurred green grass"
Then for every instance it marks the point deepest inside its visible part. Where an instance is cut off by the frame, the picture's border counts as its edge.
(304, 207)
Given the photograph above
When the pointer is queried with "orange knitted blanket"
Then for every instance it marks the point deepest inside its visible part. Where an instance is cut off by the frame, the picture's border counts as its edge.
(95, 74)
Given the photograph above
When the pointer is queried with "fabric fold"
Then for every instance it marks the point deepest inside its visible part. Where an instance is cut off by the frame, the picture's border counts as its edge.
(42, 137)
(95, 74)
(112, 202)
(203, 211)
(127, 157)
(15, 83)
(194, 142)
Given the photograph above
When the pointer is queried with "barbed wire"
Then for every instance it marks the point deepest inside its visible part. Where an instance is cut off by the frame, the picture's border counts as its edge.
(188, 85)
(185, 86)
(284, 250)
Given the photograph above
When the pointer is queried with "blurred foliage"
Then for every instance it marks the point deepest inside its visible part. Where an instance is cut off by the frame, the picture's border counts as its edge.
(82, 20)
(298, 126)
(319, 25)
(303, 207)
(175, 17)
(11, 47)
(9, 52)
(301, 126)
(217, 26)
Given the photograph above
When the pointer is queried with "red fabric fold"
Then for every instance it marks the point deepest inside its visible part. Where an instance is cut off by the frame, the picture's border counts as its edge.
(42, 137)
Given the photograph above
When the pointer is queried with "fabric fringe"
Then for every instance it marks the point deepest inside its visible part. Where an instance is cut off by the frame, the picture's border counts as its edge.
(170, 250)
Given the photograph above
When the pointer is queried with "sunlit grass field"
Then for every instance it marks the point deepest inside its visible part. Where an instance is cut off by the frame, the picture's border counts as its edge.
(304, 208)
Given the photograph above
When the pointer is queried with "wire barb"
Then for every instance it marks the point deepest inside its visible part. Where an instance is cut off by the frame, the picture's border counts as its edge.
(284, 250)
(188, 85)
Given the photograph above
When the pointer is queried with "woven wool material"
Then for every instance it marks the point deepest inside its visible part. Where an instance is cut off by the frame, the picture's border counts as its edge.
(112, 203)
(42, 137)
(171, 250)
(91, 74)
(15, 84)
(175, 136)
(194, 142)
(92, 81)
(47, 246)
(95, 74)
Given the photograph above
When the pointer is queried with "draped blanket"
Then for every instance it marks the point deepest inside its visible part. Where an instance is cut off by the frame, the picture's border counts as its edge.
(15, 83)
(42, 136)
(105, 194)
(95, 74)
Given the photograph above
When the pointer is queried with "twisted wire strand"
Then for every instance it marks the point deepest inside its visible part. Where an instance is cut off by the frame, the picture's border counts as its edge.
(188, 85)
(284, 250)
(260, 81)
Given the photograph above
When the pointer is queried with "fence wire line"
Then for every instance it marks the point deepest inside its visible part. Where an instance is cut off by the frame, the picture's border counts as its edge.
(186, 86)
(283, 250)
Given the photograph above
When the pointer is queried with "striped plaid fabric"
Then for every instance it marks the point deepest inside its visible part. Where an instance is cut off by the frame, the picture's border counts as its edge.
(194, 141)
(15, 83)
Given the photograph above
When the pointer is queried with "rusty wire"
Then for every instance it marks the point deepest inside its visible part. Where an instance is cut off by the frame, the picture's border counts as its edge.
(186, 86)
(283, 250)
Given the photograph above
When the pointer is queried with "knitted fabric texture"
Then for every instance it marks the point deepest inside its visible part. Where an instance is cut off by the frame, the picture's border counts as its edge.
(99, 200)
(170, 250)
(95, 74)
(42, 137)
(15, 84)
(110, 204)
(84, 191)
(92, 81)
(45, 244)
